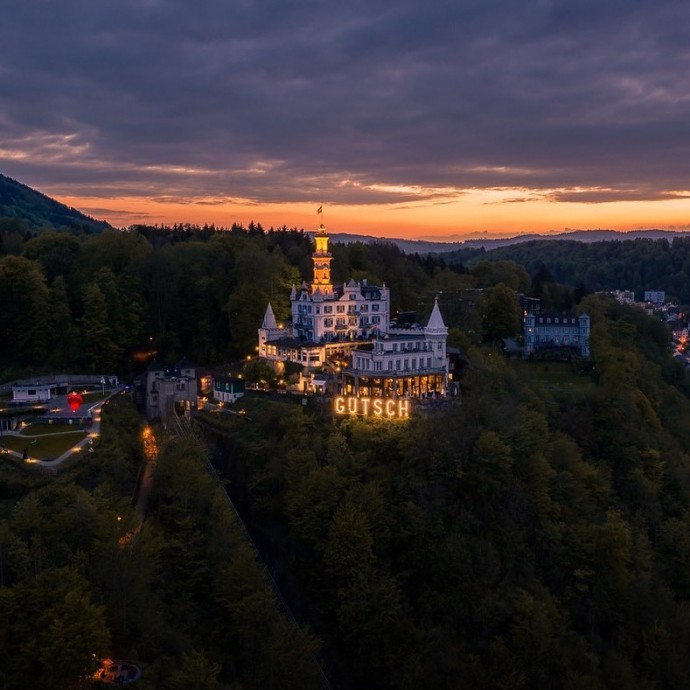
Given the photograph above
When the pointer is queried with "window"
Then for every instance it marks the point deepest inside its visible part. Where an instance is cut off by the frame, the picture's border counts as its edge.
(328, 322)
(340, 309)
(374, 307)
(353, 296)
(397, 365)
(390, 365)
(328, 310)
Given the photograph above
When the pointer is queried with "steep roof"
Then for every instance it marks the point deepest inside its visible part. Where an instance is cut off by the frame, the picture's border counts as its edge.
(436, 320)
(269, 318)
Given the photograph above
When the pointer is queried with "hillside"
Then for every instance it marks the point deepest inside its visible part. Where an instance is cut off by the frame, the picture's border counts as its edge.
(489, 242)
(37, 210)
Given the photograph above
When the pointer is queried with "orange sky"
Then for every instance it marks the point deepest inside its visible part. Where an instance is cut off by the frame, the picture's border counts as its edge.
(495, 212)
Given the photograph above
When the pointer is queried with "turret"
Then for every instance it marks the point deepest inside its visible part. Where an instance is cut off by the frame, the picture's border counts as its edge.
(322, 262)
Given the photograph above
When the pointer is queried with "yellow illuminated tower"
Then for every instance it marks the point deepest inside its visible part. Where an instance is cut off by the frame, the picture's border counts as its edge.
(322, 263)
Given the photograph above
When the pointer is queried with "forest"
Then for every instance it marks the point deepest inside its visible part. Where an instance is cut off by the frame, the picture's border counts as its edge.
(532, 533)
(83, 577)
(536, 534)
(100, 302)
(625, 264)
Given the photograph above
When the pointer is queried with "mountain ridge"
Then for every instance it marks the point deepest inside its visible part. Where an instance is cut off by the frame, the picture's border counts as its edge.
(37, 210)
(488, 243)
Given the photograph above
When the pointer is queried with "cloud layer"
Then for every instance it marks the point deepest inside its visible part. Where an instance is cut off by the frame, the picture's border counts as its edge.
(354, 103)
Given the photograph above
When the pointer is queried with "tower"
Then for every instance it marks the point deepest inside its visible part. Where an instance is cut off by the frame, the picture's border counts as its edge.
(322, 263)
(436, 334)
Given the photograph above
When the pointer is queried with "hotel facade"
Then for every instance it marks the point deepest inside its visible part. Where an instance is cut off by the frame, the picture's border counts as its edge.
(345, 331)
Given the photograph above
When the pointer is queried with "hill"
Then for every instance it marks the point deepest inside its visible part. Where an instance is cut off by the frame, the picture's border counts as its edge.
(488, 242)
(37, 210)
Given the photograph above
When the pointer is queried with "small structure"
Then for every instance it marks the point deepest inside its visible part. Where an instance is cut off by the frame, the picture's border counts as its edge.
(545, 332)
(170, 389)
(655, 296)
(227, 390)
(34, 392)
(624, 296)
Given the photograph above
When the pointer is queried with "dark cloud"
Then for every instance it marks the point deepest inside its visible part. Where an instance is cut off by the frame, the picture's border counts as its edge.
(349, 102)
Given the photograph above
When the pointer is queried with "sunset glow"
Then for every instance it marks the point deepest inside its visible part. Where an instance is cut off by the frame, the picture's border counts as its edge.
(467, 213)
(411, 121)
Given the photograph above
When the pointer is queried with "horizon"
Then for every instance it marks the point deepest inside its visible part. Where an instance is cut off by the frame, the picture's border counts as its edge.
(408, 121)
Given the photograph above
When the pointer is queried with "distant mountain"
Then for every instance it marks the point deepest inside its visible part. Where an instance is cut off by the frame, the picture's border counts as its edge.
(37, 210)
(488, 243)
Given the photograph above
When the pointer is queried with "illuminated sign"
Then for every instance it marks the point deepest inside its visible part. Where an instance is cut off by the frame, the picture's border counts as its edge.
(385, 408)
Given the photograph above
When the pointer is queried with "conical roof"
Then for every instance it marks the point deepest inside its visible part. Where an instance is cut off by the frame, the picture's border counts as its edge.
(269, 318)
(435, 323)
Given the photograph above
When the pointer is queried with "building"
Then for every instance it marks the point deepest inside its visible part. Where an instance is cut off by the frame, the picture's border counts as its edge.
(227, 390)
(323, 312)
(544, 332)
(655, 296)
(33, 392)
(328, 321)
(624, 296)
(170, 389)
(404, 362)
(344, 332)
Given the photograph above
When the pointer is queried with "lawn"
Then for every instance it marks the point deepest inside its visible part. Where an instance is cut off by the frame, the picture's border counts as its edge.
(44, 447)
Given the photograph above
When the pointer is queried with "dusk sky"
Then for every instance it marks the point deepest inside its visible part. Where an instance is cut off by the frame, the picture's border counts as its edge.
(406, 119)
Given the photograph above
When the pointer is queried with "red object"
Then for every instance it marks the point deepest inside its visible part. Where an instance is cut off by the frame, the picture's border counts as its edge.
(74, 400)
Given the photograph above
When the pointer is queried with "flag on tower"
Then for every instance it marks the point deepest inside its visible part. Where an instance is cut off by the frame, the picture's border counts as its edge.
(320, 209)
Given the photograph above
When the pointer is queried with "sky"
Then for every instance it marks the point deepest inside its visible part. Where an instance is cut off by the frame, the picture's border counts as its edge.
(434, 120)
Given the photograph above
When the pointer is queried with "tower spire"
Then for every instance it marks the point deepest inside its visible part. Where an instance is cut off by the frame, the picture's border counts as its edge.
(321, 259)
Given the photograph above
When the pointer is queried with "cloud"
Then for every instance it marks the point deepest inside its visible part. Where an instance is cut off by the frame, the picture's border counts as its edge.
(353, 103)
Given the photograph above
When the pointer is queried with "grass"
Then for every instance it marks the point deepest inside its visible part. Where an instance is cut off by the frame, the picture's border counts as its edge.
(45, 447)
(49, 429)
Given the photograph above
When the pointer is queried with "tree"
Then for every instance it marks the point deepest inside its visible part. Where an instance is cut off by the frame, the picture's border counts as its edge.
(24, 309)
(501, 313)
(99, 349)
(62, 330)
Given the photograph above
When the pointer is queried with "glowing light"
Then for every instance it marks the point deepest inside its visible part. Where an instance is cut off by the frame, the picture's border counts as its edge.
(384, 408)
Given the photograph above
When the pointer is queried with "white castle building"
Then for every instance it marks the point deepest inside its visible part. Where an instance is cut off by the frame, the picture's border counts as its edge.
(348, 327)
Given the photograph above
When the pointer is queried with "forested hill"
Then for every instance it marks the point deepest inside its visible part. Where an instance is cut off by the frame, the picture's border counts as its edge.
(35, 210)
(633, 264)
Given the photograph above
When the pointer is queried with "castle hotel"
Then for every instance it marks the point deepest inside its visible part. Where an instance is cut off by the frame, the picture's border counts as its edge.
(345, 331)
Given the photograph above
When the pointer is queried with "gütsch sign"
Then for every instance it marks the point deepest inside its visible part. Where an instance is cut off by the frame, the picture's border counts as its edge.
(383, 408)
(74, 400)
